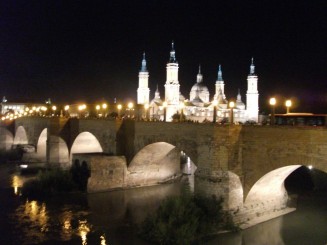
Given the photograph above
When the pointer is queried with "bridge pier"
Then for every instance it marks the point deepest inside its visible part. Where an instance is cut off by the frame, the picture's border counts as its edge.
(222, 184)
(57, 153)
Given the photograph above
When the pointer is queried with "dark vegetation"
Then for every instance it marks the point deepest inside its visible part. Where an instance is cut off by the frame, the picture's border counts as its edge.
(187, 219)
(56, 180)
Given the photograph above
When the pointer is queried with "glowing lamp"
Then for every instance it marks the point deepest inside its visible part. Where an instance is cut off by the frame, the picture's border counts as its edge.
(272, 101)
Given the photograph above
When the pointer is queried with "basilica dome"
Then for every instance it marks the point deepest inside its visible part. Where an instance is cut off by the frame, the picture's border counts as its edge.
(199, 87)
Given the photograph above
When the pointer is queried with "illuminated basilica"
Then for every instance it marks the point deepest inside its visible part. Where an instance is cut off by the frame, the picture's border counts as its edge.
(198, 107)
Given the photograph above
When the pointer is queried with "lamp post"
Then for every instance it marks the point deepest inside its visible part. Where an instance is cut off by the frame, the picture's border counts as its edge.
(66, 108)
(231, 106)
(164, 104)
(104, 107)
(215, 103)
(130, 107)
(54, 108)
(97, 107)
(288, 104)
(81, 108)
(119, 106)
(272, 102)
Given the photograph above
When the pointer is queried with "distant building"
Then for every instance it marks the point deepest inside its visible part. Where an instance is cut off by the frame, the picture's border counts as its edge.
(17, 108)
(198, 107)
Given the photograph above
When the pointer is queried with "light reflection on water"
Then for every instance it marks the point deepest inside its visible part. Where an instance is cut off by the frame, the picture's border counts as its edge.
(109, 218)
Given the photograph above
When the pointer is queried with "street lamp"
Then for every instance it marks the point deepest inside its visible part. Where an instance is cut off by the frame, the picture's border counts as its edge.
(66, 108)
(288, 104)
(272, 102)
(81, 108)
(97, 107)
(104, 107)
(54, 108)
(130, 106)
(164, 104)
(146, 107)
(119, 106)
(231, 106)
(215, 103)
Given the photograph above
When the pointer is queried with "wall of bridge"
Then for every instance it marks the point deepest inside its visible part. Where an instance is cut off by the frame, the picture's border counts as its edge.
(247, 165)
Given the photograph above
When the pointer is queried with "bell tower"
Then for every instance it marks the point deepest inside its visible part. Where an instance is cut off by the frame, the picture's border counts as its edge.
(252, 95)
(172, 85)
(143, 91)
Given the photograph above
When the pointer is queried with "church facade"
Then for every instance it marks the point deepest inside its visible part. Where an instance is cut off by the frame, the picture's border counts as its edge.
(200, 107)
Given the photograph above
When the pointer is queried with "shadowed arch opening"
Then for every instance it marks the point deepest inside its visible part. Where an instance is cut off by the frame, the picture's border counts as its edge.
(85, 143)
(42, 144)
(155, 163)
(20, 136)
(271, 185)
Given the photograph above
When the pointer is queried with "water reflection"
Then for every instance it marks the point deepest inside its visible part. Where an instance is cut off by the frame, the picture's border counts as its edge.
(110, 218)
(32, 222)
(17, 183)
(103, 240)
(83, 230)
(66, 221)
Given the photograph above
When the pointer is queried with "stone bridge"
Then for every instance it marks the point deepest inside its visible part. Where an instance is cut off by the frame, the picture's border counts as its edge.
(246, 165)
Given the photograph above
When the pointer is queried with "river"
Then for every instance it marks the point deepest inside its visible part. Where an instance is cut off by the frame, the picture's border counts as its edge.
(109, 218)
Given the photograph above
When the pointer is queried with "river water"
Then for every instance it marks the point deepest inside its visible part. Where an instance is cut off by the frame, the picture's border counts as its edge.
(110, 217)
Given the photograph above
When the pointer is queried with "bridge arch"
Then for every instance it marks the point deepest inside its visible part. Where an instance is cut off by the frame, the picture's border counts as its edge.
(20, 136)
(41, 147)
(85, 142)
(155, 163)
(270, 187)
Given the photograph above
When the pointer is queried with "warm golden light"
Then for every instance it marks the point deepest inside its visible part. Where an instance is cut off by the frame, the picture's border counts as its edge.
(104, 106)
(130, 105)
(146, 106)
(103, 240)
(97, 107)
(83, 229)
(119, 106)
(288, 104)
(215, 103)
(181, 105)
(231, 104)
(272, 101)
(164, 104)
(82, 107)
(54, 108)
(66, 107)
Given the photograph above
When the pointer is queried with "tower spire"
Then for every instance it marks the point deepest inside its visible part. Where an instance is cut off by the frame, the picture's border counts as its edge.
(172, 58)
(220, 74)
(143, 67)
(199, 77)
(252, 67)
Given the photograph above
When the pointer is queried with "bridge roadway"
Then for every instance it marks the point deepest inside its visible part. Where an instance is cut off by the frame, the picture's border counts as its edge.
(246, 165)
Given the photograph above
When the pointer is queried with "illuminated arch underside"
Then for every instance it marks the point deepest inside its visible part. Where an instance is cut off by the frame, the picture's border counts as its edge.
(20, 136)
(155, 163)
(86, 143)
(42, 144)
(271, 185)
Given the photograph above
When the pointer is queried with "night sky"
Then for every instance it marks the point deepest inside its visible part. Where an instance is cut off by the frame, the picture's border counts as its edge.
(88, 51)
